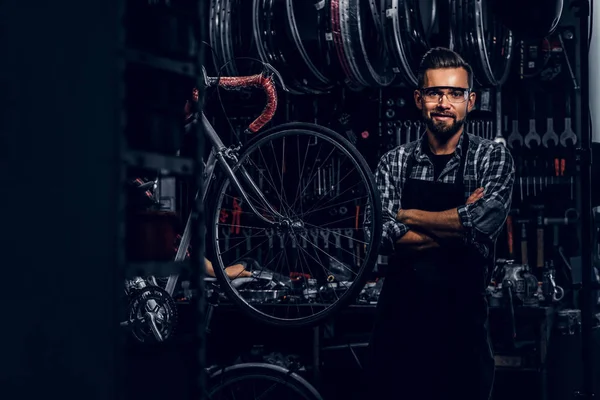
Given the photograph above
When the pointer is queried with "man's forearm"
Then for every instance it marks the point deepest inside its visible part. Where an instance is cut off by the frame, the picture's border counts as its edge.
(416, 241)
(442, 224)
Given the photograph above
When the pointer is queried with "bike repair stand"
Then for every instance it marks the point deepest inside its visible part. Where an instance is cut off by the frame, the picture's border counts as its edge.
(584, 161)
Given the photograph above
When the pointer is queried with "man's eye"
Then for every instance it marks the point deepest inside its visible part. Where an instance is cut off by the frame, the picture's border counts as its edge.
(458, 94)
(432, 93)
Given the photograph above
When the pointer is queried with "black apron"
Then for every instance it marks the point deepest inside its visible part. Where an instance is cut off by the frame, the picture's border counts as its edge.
(430, 339)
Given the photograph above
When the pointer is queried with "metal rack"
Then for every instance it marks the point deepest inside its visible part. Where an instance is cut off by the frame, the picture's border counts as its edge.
(185, 65)
(584, 160)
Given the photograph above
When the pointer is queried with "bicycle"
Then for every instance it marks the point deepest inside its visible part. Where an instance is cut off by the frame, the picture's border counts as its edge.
(255, 379)
(298, 281)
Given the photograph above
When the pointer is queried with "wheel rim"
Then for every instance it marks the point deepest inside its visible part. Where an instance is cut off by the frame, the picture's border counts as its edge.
(314, 259)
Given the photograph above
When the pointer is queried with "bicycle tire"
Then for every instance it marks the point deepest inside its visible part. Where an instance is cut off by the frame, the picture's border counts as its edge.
(368, 262)
(296, 387)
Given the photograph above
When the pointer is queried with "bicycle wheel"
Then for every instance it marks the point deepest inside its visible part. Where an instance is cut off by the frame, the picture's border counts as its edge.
(309, 255)
(259, 381)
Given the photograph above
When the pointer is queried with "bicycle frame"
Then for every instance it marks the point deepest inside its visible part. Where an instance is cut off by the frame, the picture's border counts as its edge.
(223, 156)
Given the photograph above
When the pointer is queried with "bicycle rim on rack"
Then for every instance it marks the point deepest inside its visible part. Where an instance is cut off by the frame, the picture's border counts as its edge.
(406, 38)
(259, 381)
(362, 40)
(486, 44)
(316, 263)
(302, 29)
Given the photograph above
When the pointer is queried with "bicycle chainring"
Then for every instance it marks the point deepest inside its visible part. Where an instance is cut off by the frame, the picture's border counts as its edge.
(153, 314)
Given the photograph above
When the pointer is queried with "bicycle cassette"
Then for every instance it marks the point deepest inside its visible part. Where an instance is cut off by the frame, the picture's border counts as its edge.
(153, 315)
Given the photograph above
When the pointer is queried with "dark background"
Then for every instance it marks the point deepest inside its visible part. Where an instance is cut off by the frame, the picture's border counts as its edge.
(59, 132)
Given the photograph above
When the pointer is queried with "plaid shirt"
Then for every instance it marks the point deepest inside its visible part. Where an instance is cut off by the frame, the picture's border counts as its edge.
(488, 165)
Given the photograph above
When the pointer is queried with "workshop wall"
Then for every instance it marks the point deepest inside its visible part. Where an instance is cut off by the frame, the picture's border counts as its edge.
(526, 92)
(351, 66)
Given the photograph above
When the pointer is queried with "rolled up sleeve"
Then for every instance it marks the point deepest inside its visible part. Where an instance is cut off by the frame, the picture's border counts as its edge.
(483, 220)
(388, 181)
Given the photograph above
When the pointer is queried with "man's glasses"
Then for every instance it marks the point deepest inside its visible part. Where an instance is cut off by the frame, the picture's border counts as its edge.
(454, 95)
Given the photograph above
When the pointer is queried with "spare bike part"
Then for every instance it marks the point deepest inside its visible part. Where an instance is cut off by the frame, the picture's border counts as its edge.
(290, 51)
(325, 43)
(291, 160)
(486, 44)
(428, 9)
(214, 33)
(263, 381)
(529, 20)
(152, 315)
(302, 27)
(406, 38)
(364, 45)
(263, 19)
(339, 38)
(236, 36)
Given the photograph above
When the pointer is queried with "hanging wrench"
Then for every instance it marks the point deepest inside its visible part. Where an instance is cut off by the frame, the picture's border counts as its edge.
(515, 135)
(350, 234)
(337, 234)
(550, 135)
(325, 235)
(270, 233)
(532, 136)
(399, 134)
(248, 235)
(408, 126)
(226, 235)
(281, 240)
(315, 234)
(417, 127)
(568, 134)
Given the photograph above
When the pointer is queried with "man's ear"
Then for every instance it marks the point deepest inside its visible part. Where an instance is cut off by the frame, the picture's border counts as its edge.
(418, 99)
(471, 102)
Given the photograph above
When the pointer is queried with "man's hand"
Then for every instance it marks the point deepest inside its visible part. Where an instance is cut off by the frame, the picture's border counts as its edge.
(476, 195)
(416, 241)
(237, 271)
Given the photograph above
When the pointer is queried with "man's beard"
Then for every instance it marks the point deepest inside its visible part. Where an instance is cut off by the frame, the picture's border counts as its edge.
(442, 130)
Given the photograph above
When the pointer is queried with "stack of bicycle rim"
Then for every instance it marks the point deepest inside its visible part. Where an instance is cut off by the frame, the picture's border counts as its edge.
(286, 34)
(231, 37)
(482, 40)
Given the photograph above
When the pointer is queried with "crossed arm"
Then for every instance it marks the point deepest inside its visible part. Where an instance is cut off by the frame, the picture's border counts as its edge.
(478, 220)
(428, 229)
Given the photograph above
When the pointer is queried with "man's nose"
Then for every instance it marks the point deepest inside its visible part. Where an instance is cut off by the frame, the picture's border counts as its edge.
(444, 103)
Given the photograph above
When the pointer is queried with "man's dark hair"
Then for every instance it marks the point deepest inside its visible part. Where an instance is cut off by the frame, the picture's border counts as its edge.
(441, 57)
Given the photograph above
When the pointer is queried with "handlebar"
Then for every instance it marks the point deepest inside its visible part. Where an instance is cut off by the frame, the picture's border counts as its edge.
(264, 80)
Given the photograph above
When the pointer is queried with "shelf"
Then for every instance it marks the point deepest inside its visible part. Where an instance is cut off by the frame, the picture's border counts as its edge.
(166, 64)
(155, 268)
(170, 165)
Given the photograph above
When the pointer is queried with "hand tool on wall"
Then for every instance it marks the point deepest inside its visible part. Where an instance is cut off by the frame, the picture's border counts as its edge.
(568, 62)
(550, 138)
(540, 235)
(524, 259)
(408, 127)
(349, 233)
(325, 235)
(499, 138)
(235, 220)
(510, 238)
(399, 134)
(248, 235)
(515, 137)
(337, 235)
(532, 136)
(270, 233)
(568, 137)
(226, 235)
